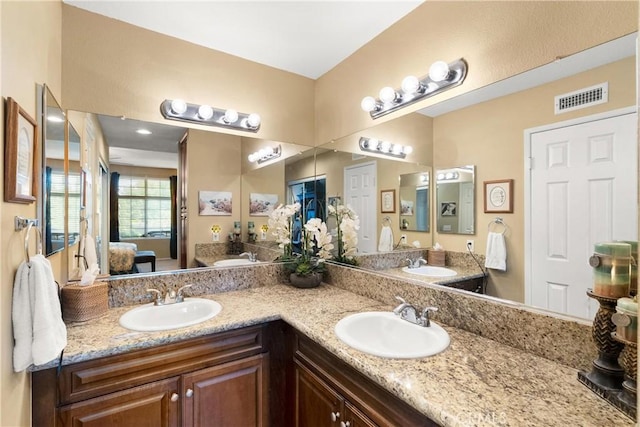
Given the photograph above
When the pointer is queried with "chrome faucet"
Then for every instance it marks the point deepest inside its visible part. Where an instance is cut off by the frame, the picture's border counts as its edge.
(253, 257)
(409, 313)
(417, 263)
(170, 297)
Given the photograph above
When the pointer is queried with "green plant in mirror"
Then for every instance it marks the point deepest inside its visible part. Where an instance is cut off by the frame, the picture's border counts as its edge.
(348, 224)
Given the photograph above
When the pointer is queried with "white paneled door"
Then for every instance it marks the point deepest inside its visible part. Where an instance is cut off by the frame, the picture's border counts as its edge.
(360, 194)
(583, 190)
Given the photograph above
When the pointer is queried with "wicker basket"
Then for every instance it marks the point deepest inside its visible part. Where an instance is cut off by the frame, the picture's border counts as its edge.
(436, 258)
(82, 303)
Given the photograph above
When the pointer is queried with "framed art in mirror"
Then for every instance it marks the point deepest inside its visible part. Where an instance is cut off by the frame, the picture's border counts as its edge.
(388, 201)
(498, 196)
(21, 144)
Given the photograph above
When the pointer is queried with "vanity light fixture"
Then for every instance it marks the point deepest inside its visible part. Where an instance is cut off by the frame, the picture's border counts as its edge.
(177, 109)
(265, 154)
(442, 76)
(448, 176)
(387, 148)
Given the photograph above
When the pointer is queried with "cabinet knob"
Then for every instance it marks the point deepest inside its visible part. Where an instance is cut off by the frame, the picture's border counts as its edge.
(343, 424)
(335, 416)
(174, 397)
(189, 392)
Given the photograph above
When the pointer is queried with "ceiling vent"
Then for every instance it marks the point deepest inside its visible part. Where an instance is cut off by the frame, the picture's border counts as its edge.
(583, 98)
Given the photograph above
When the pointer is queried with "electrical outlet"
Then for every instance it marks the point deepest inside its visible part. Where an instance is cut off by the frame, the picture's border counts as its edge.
(403, 239)
(471, 245)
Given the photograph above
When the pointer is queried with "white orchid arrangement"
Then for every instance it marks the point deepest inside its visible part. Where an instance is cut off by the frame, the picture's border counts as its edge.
(316, 243)
(348, 225)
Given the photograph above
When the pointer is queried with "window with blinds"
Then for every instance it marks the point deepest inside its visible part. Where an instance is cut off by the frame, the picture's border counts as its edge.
(144, 207)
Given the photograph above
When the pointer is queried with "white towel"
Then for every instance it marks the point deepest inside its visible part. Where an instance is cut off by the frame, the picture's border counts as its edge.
(90, 250)
(496, 256)
(38, 330)
(385, 243)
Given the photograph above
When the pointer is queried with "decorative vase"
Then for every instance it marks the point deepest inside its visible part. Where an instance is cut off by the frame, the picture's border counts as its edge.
(310, 281)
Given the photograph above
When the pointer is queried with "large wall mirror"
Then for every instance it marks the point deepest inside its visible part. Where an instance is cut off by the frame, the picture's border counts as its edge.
(442, 136)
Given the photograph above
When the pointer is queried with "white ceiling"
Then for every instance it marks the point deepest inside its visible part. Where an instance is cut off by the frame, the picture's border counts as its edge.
(306, 37)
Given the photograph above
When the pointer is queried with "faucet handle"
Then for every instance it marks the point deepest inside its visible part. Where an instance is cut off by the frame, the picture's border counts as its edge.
(399, 298)
(179, 296)
(425, 315)
(158, 299)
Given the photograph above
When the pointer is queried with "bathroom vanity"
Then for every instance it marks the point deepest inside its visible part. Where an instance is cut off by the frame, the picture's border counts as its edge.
(275, 345)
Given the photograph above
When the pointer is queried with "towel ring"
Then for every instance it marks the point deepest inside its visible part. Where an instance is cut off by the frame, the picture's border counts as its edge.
(26, 241)
(387, 219)
(497, 222)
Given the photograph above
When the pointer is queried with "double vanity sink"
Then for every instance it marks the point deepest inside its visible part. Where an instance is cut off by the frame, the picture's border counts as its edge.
(382, 334)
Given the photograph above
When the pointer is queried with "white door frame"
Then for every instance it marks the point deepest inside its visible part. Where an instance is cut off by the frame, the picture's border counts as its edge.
(374, 164)
(528, 286)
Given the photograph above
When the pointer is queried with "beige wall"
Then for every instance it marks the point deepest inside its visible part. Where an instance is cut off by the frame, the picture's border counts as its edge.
(213, 164)
(498, 39)
(30, 54)
(110, 67)
(492, 139)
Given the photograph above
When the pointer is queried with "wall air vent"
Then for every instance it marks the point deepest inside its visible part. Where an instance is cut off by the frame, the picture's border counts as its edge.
(587, 97)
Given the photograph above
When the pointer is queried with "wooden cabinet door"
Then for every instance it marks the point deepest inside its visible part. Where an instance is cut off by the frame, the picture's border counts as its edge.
(316, 404)
(353, 417)
(151, 405)
(233, 394)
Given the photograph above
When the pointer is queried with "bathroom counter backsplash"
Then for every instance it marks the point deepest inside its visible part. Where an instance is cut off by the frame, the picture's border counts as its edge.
(475, 381)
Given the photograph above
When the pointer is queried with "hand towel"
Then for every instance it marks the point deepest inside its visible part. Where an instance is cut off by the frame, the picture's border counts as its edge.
(38, 330)
(385, 244)
(90, 254)
(496, 255)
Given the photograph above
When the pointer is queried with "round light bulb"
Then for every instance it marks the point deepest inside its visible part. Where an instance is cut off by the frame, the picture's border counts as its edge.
(410, 85)
(373, 144)
(205, 112)
(368, 103)
(253, 120)
(396, 149)
(268, 151)
(387, 94)
(385, 146)
(230, 116)
(407, 149)
(178, 106)
(438, 71)
(252, 157)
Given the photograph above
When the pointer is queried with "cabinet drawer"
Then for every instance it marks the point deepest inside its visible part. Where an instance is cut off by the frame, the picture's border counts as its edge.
(113, 373)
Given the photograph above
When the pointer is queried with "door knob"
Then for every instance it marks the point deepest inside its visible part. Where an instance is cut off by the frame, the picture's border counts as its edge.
(174, 397)
(189, 392)
(335, 416)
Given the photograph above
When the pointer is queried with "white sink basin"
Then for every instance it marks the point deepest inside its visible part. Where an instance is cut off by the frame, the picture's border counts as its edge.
(234, 262)
(150, 317)
(429, 270)
(384, 334)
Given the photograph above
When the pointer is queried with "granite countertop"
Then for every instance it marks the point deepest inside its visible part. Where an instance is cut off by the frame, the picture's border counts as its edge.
(465, 272)
(474, 382)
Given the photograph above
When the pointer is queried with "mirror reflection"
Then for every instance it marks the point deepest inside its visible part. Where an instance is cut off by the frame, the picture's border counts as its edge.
(414, 201)
(455, 200)
(74, 187)
(483, 128)
(53, 178)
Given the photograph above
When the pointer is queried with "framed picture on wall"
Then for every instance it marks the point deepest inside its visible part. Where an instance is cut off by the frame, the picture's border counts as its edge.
(498, 196)
(214, 203)
(262, 204)
(388, 201)
(20, 155)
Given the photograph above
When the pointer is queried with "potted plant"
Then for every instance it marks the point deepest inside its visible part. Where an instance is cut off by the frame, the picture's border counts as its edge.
(305, 266)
